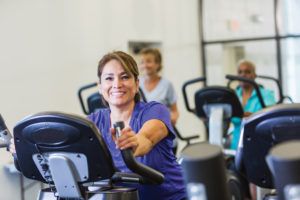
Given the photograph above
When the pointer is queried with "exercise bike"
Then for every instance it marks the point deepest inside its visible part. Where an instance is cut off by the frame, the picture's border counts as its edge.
(284, 161)
(261, 131)
(217, 105)
(68, 153)
(269, 137)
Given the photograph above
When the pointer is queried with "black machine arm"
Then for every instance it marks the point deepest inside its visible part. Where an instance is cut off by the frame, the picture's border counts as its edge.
(4, 133)
(80, 96)
(281, 96)
(186, 102)
(149, 175)
(238, 78)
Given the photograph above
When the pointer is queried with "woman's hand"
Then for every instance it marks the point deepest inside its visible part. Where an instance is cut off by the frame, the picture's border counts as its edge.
(173, 120)
(127, 139)
(12, 148)
(246, 114)
(174, 114)
(152, 132)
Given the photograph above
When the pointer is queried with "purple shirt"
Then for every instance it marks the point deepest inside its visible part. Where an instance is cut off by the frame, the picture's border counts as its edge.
(160, 158)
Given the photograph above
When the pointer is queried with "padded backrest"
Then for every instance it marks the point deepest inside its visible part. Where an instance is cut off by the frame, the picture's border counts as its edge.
(217, 95)
(260, 132)
(59, 132)
(94, 102)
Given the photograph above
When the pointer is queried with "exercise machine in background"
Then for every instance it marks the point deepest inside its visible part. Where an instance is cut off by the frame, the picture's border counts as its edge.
(261, 131)
(272, 132)
(216, 105)
(283, 161)
(282, 97)
(205, 173)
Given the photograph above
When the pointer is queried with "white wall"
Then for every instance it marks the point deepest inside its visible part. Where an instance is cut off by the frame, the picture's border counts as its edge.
(51, 48)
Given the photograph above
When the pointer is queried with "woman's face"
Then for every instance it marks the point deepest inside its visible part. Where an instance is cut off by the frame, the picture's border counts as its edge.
(148, 65)
(117, 87)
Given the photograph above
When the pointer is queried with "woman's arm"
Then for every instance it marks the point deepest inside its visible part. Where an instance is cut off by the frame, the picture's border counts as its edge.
(152, 132)
(174, 113)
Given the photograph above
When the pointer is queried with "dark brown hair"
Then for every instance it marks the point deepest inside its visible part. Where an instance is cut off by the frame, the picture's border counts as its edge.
(127, 62)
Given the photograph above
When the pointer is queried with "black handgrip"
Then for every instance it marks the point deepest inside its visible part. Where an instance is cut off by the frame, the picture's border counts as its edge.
(281, 96)
(186, 102)
(187, 139)
(239, 78)
(118, 126)
(149, 175)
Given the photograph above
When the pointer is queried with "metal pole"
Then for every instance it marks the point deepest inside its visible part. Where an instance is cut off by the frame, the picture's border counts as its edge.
(202, 42)
(22, 186)
(278, 46)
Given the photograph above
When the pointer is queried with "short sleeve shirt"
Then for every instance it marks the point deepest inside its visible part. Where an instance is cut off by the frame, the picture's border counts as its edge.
(163, 93)
(160, 158)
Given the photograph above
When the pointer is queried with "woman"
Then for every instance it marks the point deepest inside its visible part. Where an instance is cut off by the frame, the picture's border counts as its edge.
(148, 129)
(155, 87)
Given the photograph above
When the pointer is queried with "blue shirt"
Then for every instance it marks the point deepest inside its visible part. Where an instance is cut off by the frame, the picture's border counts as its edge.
(253, 105)
(160, 158)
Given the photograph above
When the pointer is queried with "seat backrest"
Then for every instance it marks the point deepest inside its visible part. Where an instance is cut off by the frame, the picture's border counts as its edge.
(94, 102)
(261, 131)
(217, 95)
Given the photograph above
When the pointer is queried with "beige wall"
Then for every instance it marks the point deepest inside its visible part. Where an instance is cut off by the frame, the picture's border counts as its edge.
(51, 48)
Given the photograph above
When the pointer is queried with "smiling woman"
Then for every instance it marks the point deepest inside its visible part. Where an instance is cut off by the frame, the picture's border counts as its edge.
(117, 86)
(148, 130)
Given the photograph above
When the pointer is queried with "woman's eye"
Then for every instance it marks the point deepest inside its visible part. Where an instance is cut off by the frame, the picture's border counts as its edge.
(125, 77)
(108, 78)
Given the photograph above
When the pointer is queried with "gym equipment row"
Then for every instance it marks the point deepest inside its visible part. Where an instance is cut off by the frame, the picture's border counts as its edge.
(52, 141)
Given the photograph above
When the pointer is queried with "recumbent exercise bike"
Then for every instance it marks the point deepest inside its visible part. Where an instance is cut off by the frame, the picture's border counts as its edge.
(68, 153)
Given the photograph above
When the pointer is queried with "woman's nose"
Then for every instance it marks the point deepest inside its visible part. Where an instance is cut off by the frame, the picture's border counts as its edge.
(117, 82)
